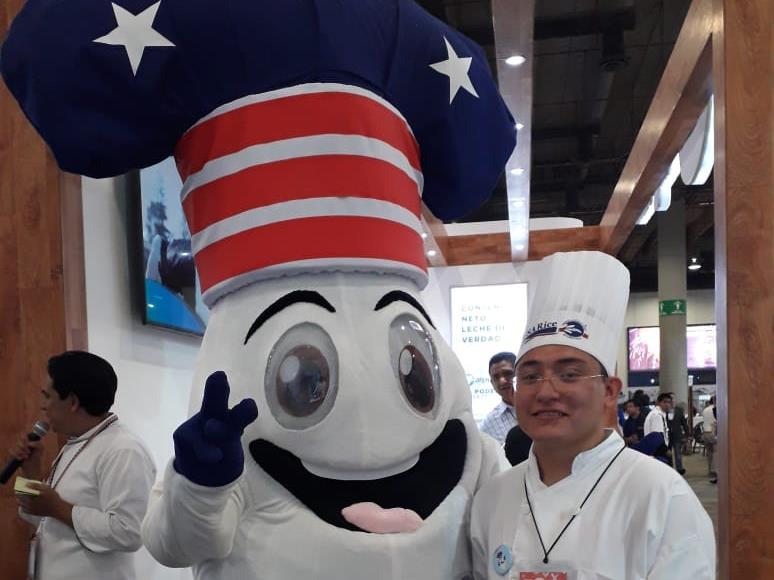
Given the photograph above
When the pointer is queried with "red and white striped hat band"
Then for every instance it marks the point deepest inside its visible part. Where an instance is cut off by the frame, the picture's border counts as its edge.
(312, 178)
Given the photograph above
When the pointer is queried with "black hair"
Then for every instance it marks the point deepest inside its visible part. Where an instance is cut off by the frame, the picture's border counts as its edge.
(663, 396)
(85, 375)
(502, 356)
(632, 401)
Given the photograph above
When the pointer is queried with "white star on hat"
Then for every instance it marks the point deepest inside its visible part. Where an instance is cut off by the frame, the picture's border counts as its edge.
(456, 69)
(134, 33)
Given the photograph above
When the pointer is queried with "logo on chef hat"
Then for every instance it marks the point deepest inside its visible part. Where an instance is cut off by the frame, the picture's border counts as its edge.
(573, 329)
(569, 328)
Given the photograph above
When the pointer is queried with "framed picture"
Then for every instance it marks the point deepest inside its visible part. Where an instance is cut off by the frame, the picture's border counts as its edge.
(172, 296)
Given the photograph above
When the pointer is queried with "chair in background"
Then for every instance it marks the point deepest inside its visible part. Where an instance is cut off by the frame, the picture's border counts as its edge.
(698, 437)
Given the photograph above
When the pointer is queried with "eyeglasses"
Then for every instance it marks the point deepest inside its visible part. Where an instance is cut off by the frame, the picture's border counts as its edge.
(565, 379)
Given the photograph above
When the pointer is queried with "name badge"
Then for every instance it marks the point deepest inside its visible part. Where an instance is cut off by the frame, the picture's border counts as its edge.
(542, 575)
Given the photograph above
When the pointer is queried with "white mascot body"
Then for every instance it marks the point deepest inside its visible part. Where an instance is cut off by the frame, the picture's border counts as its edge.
(369, 430)
(308, 133)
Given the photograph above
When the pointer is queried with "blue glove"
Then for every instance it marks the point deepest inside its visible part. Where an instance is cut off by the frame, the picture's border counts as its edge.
(208, 447)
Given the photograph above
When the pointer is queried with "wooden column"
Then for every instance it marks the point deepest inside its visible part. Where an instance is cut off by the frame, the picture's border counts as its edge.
(38, 298)
(744, 265)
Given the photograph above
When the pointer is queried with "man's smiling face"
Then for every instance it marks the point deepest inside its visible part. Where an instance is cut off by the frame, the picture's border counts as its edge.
(352, 382)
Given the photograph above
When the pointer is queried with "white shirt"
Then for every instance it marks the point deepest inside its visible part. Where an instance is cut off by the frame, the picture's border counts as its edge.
(709, 420)
(656, 421)
(642, 521)
(108, 484)
(499, 421)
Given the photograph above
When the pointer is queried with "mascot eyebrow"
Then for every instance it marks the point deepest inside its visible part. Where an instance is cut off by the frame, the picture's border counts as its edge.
(397, 295)
(308, 296)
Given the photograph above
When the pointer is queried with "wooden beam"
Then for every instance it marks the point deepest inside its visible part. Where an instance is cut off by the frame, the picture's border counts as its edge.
(637, 242)
(73, 262)
(680, 98)
(744, 270)
(42, 288)
(31, 295)
(700, 225)
(496, 248)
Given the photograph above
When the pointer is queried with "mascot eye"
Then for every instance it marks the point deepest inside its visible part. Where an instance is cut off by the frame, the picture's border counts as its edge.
(301, 376)
(415, 362)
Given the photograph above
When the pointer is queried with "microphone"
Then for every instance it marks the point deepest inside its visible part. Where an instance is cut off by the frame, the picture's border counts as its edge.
(38, 431)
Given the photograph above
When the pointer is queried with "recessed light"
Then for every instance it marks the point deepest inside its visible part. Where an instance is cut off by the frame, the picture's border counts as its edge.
(517, 171)
(431, 253)
(515, 60)
(424, 235)
(519, 126)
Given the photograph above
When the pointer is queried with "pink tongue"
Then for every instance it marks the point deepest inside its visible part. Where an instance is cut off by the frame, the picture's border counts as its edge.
(372, 518)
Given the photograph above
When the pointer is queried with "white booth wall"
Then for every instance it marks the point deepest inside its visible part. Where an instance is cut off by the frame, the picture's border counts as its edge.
(155, 366)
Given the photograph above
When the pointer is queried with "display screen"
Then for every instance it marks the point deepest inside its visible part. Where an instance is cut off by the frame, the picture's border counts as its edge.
(486, 320)
(702, 347)
(172, 298)
(644, 345)
(644, 349)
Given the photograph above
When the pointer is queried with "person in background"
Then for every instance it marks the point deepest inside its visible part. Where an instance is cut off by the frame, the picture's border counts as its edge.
(634, 425)
(582, 491)
(502, 418)
(657, 420)
(642, 400)
(678, 433)
(89, 510)
(710, 437)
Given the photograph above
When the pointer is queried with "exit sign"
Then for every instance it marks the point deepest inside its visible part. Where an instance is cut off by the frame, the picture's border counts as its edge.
(671, 307)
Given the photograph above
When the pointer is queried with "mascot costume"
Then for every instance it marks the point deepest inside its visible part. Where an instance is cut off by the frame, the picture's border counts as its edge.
(307, 134)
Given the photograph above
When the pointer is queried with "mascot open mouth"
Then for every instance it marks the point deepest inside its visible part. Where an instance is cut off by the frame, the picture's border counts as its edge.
(421, 488)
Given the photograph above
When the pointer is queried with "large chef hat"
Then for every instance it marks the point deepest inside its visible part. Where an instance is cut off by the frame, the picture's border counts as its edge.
(580, 300)
(307, 133)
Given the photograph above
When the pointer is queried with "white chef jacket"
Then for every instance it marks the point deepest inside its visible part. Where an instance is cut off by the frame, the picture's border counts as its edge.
(643, 521)
(656, 421)
(108, 485)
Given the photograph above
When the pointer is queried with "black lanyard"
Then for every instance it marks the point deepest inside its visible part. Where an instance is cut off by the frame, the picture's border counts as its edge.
(564, 529)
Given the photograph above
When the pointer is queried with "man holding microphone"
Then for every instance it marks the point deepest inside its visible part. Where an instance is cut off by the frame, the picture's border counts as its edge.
(88, 506)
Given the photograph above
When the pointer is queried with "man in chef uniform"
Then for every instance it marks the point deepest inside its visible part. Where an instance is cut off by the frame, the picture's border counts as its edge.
(583, 506)
(307, 133)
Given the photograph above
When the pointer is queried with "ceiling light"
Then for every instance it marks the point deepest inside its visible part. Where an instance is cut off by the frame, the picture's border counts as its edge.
(519, 126)
(694, 265)
(424, 235)
(517, 171)
(431, 253)
(515, 60)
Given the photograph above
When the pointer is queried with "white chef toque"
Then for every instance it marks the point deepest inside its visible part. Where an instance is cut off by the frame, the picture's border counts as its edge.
(580, 301)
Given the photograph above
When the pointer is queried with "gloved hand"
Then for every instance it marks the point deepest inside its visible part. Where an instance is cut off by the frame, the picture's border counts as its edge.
(208, 447)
